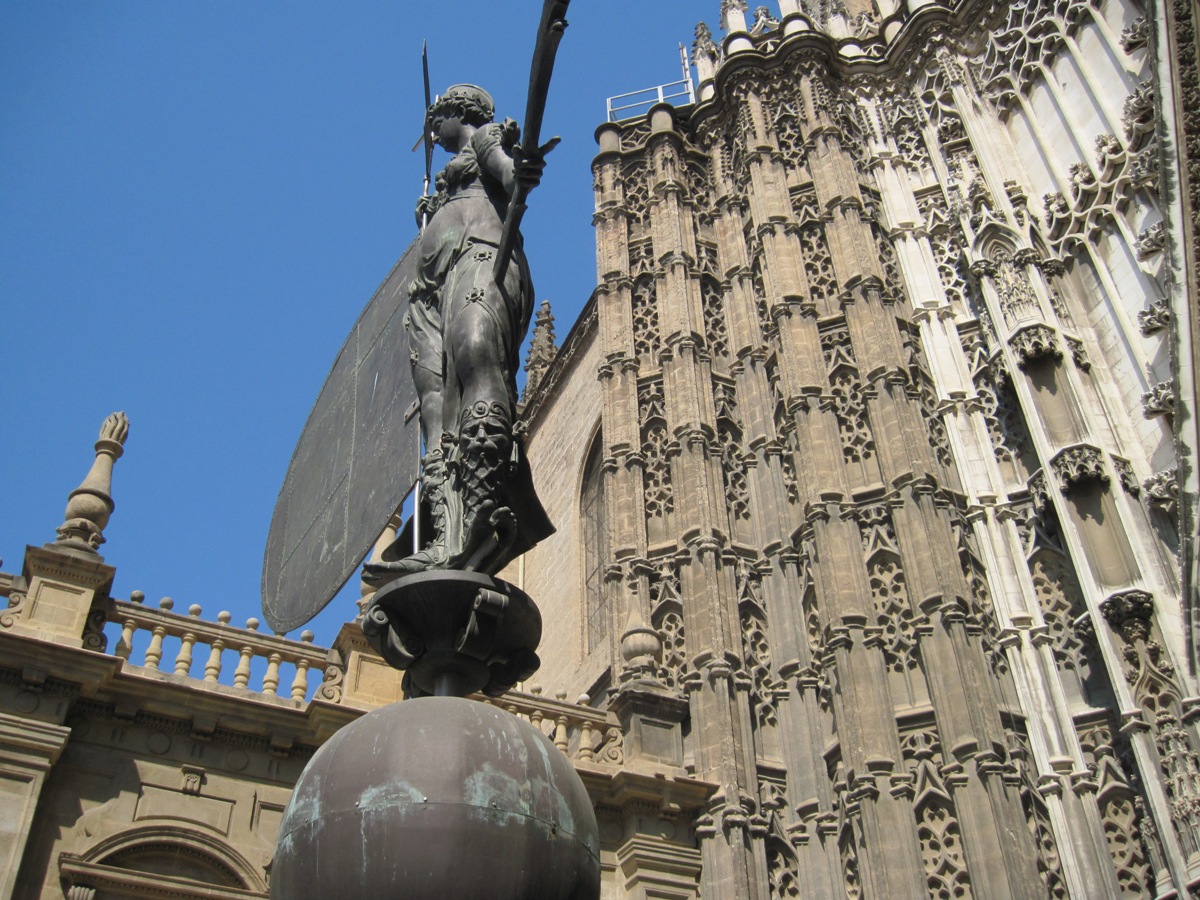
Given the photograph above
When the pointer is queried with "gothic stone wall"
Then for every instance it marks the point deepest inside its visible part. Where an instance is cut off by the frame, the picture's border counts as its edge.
(888, 449)
(568, 418)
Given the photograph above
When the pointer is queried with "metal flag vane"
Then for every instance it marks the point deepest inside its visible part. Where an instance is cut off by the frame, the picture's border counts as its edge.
(550, 32)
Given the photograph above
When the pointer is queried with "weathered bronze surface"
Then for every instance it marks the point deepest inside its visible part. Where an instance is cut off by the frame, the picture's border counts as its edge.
(438, 798)
(354, 463)
(466, 322)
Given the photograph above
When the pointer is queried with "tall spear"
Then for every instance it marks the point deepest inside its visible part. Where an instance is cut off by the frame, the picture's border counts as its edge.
(427, 137)
(550, 32)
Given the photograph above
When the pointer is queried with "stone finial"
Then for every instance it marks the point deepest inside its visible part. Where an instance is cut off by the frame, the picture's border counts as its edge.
(706, 56)
(704, 47)
(541, 350)
(763, 21)
(641, 650)
(733, 15)
(91, 504)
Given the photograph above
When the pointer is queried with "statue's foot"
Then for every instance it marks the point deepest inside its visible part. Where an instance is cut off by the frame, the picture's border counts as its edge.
(380, 572)
(489, 537)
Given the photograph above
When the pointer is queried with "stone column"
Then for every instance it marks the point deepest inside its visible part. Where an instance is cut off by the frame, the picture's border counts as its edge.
(28, 750)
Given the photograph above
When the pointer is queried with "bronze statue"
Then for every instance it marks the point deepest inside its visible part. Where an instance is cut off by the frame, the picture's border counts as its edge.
(465, 328)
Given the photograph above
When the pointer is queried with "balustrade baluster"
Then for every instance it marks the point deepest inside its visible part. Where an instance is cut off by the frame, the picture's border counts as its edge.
(124, 647)
(183, 662)
(241, 675)
(271, 679)
(585, 732)
(560, 726)
(154, 651)
(300, 682)
(212, 668)
(536, 715)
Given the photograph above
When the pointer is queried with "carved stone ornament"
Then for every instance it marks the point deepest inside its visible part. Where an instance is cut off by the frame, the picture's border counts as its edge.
(1039, 493)
(1077, 464)
(1162, 490)
(1082, 178)
(91, 504)
(1143, 168)
(1078, 353)
(1125, 475)
(542, 350)
(1156, 318)
(1150, 242)
(1121, 608)
(1139, 113)
(641, 651)
(1136, 35)
(704, 47)
(1034, 342)
(763, 21)
(1159, 400)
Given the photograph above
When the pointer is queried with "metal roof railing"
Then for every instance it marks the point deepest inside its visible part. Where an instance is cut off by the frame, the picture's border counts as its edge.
(647, 97)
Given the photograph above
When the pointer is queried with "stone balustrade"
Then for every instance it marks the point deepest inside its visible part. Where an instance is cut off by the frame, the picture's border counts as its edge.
(177, 641)
(162, 640)
(577, 729)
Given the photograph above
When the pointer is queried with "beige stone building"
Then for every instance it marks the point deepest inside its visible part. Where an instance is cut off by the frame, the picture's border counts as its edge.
(873, 462)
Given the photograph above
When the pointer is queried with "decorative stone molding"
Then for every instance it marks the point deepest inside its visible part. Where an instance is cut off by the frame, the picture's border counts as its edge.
(1125, 474)
(1081, 176)
(1039, 492)
(1143, 168)
(1159, 400)
(1126, 607)
(1078, 353)
(1140, 113)
(1078, 464)
(1162, 490)
(1150, 242)
(1136, 35)
(1155, 318)
(763, 22)
(1056, 207)
(1034, 342)
(641, 652)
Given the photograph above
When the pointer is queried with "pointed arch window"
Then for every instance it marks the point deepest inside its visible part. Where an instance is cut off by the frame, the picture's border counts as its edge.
(594, 537)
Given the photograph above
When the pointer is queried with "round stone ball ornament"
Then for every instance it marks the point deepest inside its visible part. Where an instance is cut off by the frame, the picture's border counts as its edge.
(438, 797)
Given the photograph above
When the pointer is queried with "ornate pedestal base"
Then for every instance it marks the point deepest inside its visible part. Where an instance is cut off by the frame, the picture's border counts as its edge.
(455, 633)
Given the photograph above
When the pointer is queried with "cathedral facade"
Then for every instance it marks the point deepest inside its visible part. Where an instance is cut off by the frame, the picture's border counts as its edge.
(872, 461)
(892, 464)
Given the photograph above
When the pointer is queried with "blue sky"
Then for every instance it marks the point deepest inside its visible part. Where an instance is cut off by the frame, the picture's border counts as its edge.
(196, 201)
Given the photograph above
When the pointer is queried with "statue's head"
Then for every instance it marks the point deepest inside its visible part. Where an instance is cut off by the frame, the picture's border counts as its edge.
(469, 102)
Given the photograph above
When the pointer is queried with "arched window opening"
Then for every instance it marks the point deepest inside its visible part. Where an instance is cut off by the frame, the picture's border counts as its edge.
(594, 536)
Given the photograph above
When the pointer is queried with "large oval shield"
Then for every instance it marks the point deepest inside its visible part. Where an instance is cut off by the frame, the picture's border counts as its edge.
(355, 461)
